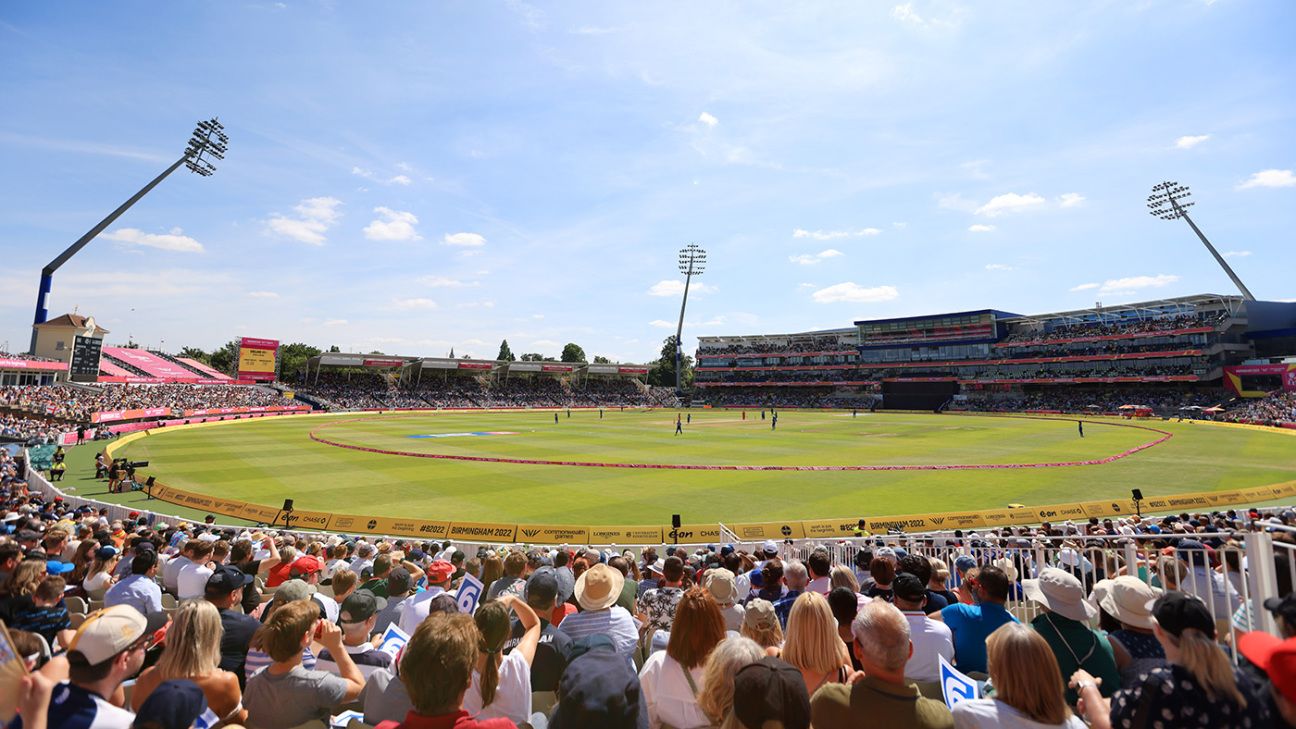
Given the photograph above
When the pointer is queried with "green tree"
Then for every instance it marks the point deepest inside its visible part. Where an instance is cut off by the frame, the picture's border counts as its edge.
(600, 359)
(505, 354)
(334, 348)
(452, 353)
(532, 357)
(292, 358)
(196, 354)
(662, 372)
(572, 352)
(225, 358)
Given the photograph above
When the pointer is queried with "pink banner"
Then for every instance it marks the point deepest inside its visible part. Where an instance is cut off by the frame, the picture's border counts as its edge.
(383, 362)
(111, 415)
(475, 365)
(137, 380)
(632, 370)
(556, 368)
(231, 411)
(29, 364)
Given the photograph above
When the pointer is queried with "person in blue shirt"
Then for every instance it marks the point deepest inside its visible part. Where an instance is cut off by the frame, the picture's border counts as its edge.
(796, 578)
(140, 591)
(972, 624)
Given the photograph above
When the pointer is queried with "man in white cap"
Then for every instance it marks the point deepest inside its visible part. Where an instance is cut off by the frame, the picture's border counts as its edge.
(1064, 623)
(597, 591)
(107, 649)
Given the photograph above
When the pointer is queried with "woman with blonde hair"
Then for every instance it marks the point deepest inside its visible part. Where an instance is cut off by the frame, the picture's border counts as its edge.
(1197, 681)
(761, 624)
(24, 580)
(100, 577)
(1027, 693)
(812, 644)
(843, 576)
(192, 651)
(715, 696)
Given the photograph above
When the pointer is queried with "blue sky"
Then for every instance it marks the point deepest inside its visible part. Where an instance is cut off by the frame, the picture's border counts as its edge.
(415, 176)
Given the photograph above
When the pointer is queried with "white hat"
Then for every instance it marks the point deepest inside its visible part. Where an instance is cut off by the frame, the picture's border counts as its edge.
(1128, 600)
(1061, 592)
(107, 632)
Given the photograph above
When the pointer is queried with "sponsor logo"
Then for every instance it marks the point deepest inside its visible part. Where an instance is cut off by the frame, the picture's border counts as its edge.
(373, 523)
(530, 532)
(1047, 514)
(786, 530)
(676, 535)
(431, 528)
(937, 519)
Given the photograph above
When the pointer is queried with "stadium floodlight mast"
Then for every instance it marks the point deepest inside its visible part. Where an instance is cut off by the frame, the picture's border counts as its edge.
(1170, 201)
(207, 143)
(692, 262)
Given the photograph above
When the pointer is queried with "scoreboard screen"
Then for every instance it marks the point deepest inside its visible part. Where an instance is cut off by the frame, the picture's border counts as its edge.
(84, 366)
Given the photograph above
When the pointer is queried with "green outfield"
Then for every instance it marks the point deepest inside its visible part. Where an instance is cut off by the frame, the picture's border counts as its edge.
(267, 460)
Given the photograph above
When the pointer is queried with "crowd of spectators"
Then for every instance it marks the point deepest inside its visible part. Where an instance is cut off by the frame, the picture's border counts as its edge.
(1169, 402)
(363, 391)
(29, 429)
(1123, 326)
(267, 628)
(818, 344)
(78, 403)
(1277, 408)
(25, 356)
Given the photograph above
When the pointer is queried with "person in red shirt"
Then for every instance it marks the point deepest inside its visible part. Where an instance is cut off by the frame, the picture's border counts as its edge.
(437, 666)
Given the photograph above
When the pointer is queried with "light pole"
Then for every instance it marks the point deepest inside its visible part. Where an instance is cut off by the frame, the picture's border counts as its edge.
(692, 262)
(1170, 200)
(208, 142)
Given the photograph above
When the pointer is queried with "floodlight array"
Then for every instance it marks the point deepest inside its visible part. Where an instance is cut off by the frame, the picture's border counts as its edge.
(692, 260)
(208, 141)
(1169, 200)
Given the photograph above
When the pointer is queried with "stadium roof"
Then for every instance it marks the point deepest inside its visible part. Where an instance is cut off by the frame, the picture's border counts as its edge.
(996, 312)
(815, 333)
(1158, 305)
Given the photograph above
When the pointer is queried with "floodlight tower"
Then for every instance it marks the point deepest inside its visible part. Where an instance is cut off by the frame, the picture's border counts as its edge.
(207, 143)
(692, 262)
(1170, 200)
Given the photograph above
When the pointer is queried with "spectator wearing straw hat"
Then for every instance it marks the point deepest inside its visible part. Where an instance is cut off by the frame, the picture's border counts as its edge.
(1064, 623)
(723, 587)
(1198, 681)
(596, 592)
(1127, 599)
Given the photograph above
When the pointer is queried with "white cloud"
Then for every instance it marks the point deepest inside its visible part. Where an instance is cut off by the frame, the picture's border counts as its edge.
(809, 259)
(998, 267)
(1236, 254)
(835, 234)
(980, 228)
(1085, 287)
(1071, 200)
(807, 286)
(172, 241)
(708, 119)
(854, 293)
(394, 180)
(335, 322)
(1269, 178)
(675, 287)
(1009, 202)
(540, 343)
(905, 14)
(464, 240)
(262, 295)
(1190, 141)
(392, 225)
(445, 282)
(414, 304)
(1132, 284)
(661, 324)
(315, 215)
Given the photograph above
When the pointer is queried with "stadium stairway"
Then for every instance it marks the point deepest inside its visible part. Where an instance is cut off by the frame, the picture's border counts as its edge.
(122, 364)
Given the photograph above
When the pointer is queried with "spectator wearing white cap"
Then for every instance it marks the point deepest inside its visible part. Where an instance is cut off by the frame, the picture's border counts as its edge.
(1064, 624)
(724, 588)
(107, 649)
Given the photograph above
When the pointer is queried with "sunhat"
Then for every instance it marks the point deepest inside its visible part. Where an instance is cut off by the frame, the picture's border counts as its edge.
(1060, 592)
